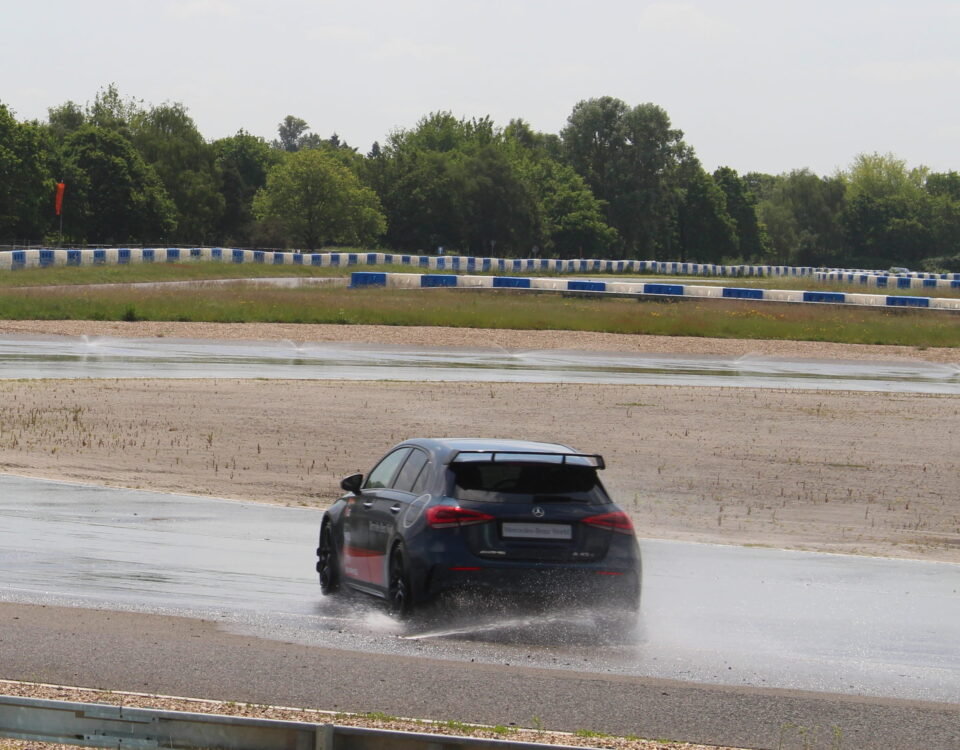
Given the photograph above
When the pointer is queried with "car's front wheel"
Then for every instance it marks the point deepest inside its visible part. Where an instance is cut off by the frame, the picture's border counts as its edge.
(328, 567)
(399, 591)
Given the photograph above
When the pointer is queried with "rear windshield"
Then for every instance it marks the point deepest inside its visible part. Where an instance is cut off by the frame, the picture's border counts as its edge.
(527, 482)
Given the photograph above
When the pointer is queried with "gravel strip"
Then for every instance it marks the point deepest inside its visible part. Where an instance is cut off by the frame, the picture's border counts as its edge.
(373, 721)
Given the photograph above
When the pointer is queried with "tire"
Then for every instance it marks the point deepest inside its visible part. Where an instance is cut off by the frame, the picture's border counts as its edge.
(328, 566)
(399, 590)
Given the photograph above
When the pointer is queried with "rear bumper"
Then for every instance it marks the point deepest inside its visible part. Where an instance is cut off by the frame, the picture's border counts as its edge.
(543, 584)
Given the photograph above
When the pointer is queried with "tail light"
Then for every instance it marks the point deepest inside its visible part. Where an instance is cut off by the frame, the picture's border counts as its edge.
(449, 516)
(618, 521)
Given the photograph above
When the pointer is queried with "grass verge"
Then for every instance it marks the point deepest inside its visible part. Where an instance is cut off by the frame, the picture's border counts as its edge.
(157, 272)
(490, 309)
(211, 270)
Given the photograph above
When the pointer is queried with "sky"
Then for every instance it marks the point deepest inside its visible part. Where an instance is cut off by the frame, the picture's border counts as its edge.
(753, 84)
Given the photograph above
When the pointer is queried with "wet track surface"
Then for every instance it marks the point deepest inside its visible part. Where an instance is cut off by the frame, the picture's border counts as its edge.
(713, 614)
(92, 357)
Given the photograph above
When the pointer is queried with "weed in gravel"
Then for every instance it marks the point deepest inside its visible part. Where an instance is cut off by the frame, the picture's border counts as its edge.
(807, 736)
(591, 733)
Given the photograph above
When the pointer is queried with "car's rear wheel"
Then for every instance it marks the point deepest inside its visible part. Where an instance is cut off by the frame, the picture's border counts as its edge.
(618, 624)
(399, 591)
(328, 566)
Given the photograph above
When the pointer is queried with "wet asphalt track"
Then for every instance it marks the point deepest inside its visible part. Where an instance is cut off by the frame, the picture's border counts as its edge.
(711, 614)
(748, 619)
(104, 357)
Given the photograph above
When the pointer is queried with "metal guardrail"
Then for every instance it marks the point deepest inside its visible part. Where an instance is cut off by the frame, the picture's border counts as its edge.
(101, 725)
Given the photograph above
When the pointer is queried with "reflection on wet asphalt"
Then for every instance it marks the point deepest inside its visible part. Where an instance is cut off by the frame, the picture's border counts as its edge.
(731, 615)
(85, 357)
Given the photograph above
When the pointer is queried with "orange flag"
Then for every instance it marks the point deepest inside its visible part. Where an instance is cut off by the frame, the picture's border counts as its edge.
(61, 186)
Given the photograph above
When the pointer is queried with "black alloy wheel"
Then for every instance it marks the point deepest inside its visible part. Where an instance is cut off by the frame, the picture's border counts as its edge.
(399, 598)
(327, 563)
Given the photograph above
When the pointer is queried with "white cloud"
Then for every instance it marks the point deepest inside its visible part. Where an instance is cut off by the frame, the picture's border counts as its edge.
(199, 8)
(345, 34)
(948, 132)
(915, 71)
(411, 50)
(680, 17)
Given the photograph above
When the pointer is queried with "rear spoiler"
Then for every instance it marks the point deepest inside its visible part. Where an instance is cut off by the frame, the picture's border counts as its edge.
(519, 456)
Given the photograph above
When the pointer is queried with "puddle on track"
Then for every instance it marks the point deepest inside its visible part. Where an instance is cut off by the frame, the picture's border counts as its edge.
(103, 357)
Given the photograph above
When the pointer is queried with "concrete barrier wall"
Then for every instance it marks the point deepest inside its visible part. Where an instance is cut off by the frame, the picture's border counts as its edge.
(892, 281)
(44, 257)
(460, 264)
(646, 289)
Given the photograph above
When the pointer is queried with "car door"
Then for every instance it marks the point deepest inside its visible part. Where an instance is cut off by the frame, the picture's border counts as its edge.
(363, 547)
(387, 508)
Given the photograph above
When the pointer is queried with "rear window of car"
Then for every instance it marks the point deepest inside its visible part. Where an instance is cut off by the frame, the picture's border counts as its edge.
(527, 482)
(411, 471)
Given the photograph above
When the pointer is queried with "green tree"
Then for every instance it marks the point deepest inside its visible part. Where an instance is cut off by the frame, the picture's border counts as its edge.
(109, 110)
(630, 158)
(444, 133)
(885, 231)
(884, 176)
(317, 201)
(294, 136)
(420, 196)
(706, 233)
(498, 213)
(112, 112)
(760, 185)
(243, 161)
(782, 228)
(887, 216)
(26, 180)
(571, 219)
(943, 189)
(451, 182)
(572, 223)
(291, 132)
(802, 216)
(741, 204)
(169, 141)
(115, 196)
(65, 119)
(943, 184)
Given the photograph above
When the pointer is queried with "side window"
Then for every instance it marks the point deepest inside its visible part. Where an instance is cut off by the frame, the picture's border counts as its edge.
(411, 470)
(384, 471)
(421, 483)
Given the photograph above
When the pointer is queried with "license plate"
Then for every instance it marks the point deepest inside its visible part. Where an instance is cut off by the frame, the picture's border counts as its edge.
(537, 531)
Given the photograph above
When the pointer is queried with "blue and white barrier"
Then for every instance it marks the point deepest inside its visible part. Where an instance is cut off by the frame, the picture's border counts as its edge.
(32, 258)
(40, 257)
(360, 279)
(891, 281)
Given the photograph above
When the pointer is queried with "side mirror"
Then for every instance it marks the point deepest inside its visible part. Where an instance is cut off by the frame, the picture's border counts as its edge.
(352, 483)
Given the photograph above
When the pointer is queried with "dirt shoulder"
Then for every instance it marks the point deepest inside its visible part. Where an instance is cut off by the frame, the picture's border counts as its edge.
(847, 472)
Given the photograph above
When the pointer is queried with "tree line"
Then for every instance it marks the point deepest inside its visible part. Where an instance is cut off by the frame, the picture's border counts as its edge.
(617, 181)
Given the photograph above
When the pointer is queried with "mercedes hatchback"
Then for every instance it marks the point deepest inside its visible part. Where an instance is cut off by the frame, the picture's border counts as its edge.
(517, 518)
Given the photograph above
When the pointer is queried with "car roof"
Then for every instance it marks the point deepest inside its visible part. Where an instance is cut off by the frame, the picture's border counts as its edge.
(444, 449)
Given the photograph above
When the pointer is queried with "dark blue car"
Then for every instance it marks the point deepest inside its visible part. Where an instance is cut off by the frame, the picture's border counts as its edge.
(524, 519)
